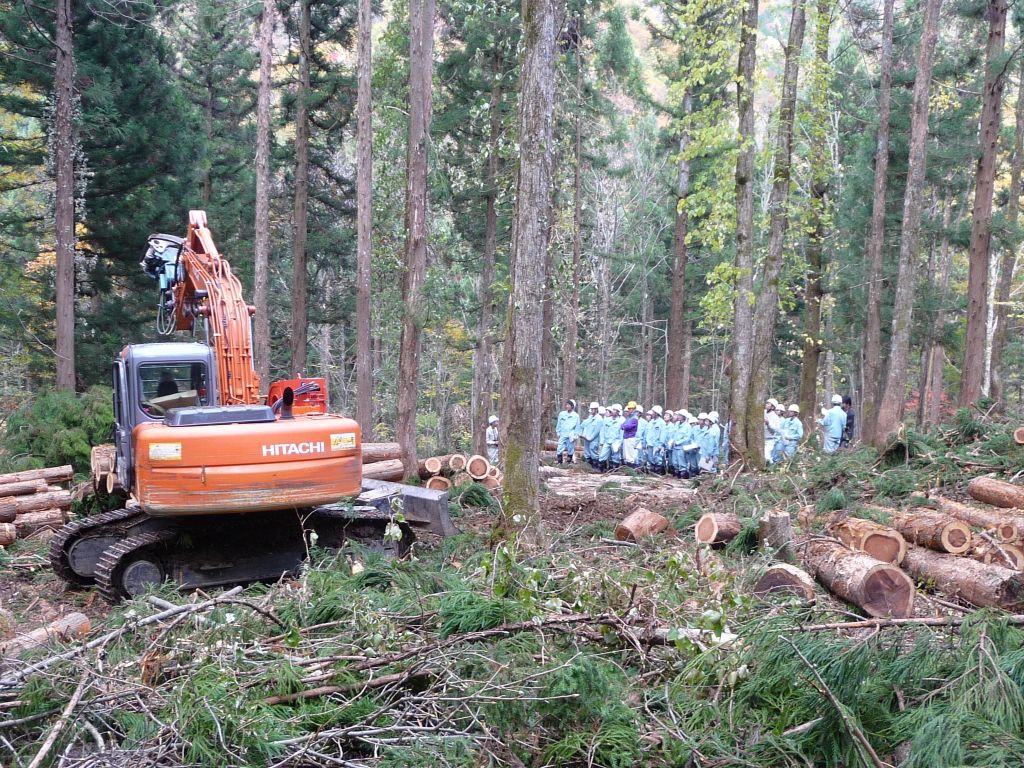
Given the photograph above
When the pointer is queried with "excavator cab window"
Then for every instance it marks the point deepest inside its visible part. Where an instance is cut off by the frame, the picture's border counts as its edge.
(163, 386)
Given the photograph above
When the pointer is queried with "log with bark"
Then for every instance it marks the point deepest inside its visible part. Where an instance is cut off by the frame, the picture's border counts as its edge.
(491, 483)
(68, 627)
(879, 589)
(717, 528)
(8, 534)
(998, 553)
(374, 452)
(478, 466)
(23, 488)
(1018, 435)
(102, 459)
(493, 471)
(775, 531)
(457, 462)
(1004, 525)
(30, 522)
(438, 483)
(786, 578)
(438, 465)
(983, 585)
(461, 478)
(62, 474)
(879, 541)
(641, 522)
(19, 505)
(998, 493)
(933, 529)
(384, 470)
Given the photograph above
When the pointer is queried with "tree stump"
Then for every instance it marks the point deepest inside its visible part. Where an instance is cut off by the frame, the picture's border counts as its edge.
(374, 452)
(641, 522)
(477, 466)
(775, 531)
(998, 493)
(879, 589)
(8, 534)
(990, 586)
(1005, 525)
(879, 541)
(783, 577)
(438, 483)
(933, 529)
(717, 528)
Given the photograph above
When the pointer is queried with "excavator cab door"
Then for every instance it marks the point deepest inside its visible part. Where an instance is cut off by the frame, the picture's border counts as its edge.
(122, 426)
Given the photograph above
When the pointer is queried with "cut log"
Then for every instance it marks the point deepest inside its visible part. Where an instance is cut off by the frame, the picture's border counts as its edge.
(491, 483)
(879, 541)
(7, 511)
(51, 474)
(933, 529)
(783, 577)
(998, 493)
(456, 462)
(438, 483)
(493, 471)
(8, 534)
(374, 452)
(1002, 554)
(717, 528)
(442, 466)
(990, 586)
(24, 488)
(641, 522)
(101, 463)
(69, 627)
(21, 504)
(30, 522)
(775, 531)
(478, 466)
(384, 470)
(1005, 525)
(879, 589)
(433, 465)
(1018, 435)
(461, 478)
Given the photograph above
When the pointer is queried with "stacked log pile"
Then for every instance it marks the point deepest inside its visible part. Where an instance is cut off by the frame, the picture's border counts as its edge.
(456, 469)
(33, 501)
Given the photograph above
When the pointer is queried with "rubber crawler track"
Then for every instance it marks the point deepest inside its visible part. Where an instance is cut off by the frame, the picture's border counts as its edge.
(59, 543)
(116, 556)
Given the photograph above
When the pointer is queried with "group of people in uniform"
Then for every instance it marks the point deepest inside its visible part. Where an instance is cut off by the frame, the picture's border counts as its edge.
(658, 441)
(783, 429)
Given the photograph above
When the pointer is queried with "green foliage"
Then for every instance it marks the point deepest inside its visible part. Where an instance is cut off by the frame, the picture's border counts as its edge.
(461, 612)
(55, 427)
(833, 500)
(895, 484)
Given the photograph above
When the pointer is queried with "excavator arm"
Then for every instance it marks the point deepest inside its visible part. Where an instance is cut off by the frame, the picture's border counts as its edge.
(195, 281)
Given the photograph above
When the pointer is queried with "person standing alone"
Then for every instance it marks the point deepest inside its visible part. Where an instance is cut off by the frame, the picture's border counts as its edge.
(567, 429)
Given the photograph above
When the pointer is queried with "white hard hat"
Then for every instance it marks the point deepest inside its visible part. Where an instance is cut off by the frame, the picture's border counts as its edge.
(639, 408)
(773, 402)
(601, 411)
(701, 416)
(617, 407)
(657, 409)
(594, 405)
(837, 400)
(794, 408)
(713, 415)
(492, 419)
(670, 413)
(693, 419)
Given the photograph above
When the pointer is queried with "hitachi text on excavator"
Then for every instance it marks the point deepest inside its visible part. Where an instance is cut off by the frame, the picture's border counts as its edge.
(224, 485)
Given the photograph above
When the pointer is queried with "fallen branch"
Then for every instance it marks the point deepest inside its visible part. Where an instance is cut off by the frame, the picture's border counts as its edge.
(51, 737)
(925, 621)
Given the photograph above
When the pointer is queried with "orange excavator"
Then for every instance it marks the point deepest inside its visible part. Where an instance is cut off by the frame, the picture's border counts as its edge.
(223, 485)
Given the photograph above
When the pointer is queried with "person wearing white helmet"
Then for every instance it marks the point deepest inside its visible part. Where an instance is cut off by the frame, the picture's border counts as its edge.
(680, 440)
(691, 449)
(656, 441)
(610, 434)
(641, 438)
(791, 432)
(615, 459)
(590, 430)
(710, 442)
(833, 422)
(671, 428)
(492, 440)
(567, 429)
(772, 421)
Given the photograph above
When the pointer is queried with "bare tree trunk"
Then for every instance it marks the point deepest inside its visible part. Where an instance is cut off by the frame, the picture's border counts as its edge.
(421, 47)
(569, 354)
(743, 326)
(930, 411)
(872, 360)
(766, 308)
(684, 389)
(1009, 256)
(482, 374)
(364, 221)
(820, 172)
(604, 324)
(547, 347)
(981, 235)
(521, 401)
(261, 248)
(890, 411)
(677, 325)
(300, 215)
(64, 193)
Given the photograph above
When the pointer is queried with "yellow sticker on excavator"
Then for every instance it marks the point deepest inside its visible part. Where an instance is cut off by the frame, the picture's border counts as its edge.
(165, 451)
(343, 441)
